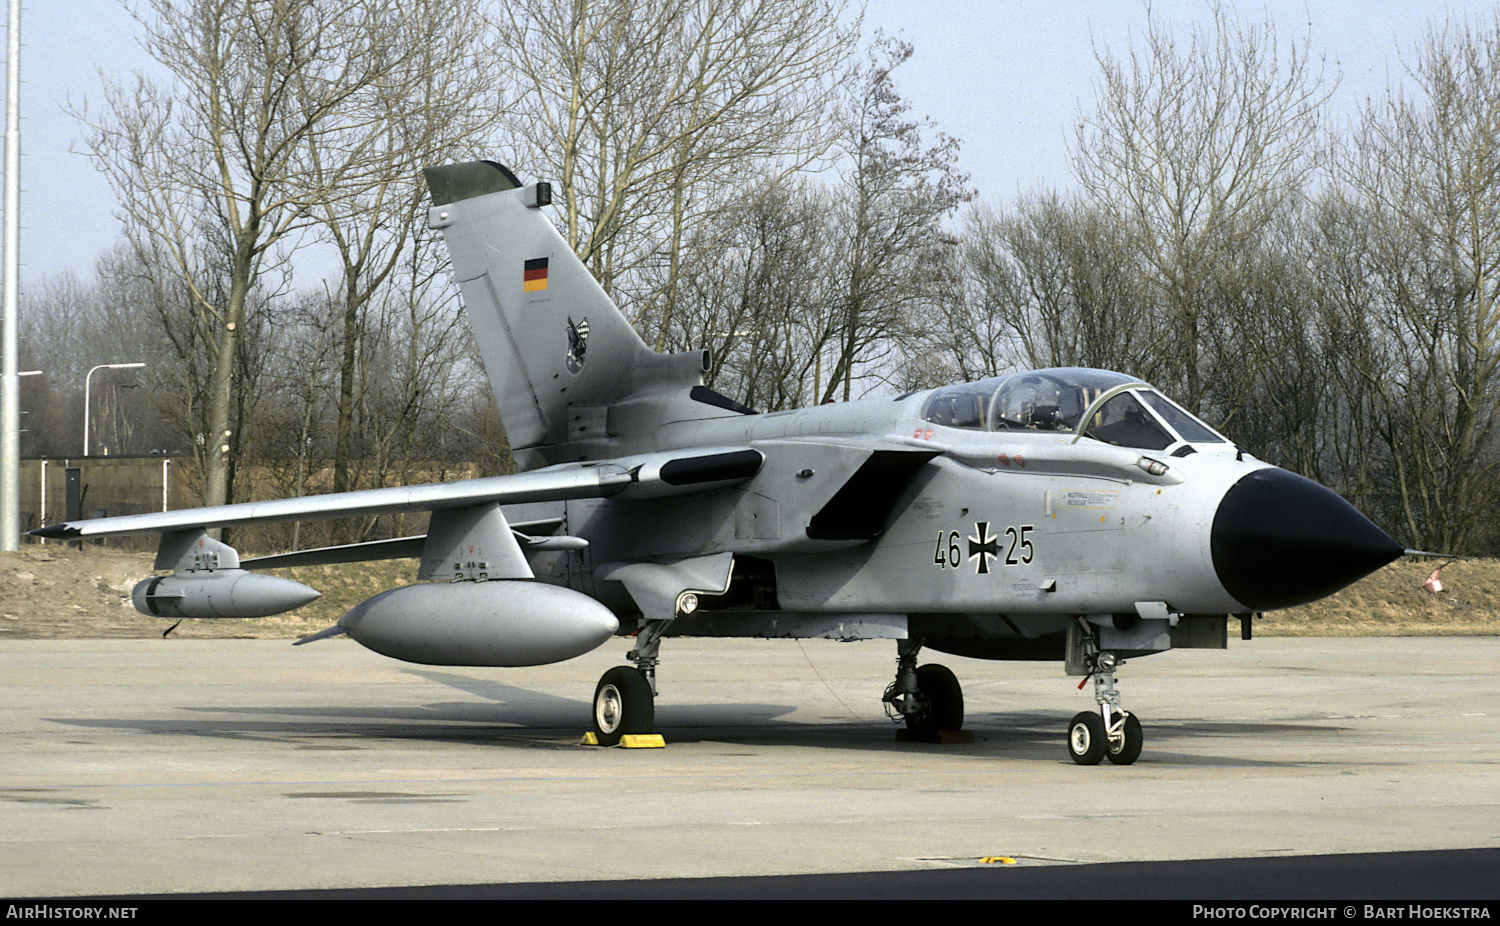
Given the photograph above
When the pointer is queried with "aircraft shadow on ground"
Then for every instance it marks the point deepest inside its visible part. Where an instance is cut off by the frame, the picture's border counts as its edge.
(511, 716)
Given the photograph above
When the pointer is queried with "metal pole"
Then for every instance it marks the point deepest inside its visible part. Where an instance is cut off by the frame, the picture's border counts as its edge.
(10, 385)
(86, 379)
(89, 376)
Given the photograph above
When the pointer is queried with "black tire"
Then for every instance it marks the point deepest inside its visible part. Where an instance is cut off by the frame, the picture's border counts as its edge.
(623, 703)
(1130, 750)
(942, 702)
(1086, 739)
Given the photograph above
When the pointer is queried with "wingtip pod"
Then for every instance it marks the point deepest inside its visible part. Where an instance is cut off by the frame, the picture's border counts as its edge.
(226, 593)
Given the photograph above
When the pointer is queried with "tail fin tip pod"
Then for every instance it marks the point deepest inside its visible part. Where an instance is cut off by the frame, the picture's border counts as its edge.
(559, 354)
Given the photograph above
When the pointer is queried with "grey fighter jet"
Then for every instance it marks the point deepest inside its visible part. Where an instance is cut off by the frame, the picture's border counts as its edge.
(1065, 514)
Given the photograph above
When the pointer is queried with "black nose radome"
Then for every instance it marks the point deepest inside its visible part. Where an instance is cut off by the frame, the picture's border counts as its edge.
(1281, 540)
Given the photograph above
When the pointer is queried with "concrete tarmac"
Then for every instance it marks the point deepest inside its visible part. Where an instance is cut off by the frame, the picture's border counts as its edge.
(169, 766)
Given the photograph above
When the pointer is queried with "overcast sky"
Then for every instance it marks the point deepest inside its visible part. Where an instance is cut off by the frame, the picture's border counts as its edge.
(1006, 78)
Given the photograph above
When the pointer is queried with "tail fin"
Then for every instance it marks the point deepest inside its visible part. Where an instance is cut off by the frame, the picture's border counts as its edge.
(559, 354)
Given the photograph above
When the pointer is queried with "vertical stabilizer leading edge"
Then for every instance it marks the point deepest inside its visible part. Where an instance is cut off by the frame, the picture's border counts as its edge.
(572, 379)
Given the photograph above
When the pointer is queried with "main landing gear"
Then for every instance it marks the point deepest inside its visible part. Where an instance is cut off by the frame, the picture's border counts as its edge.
(928, 698)
(625, 698)
(1113, 733)
(623, 704)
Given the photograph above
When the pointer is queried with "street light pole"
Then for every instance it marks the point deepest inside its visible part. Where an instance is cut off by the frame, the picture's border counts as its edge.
(10, 386)
(102, 366)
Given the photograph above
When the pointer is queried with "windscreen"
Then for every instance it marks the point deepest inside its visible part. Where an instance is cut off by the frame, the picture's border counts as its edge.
(1124, 422)
(1187, 427)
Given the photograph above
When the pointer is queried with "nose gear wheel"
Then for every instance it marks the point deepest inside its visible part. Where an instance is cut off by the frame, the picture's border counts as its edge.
(1113, 733)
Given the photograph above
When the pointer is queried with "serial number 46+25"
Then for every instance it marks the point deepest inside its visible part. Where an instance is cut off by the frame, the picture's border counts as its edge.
(983, 547)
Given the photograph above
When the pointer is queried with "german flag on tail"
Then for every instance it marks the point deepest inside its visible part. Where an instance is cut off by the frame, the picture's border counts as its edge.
(535, 277)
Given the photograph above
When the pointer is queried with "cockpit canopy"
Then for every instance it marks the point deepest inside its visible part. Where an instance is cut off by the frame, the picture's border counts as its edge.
(1109, 407)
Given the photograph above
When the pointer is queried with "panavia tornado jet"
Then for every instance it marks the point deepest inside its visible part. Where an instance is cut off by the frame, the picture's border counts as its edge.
(1066, 514)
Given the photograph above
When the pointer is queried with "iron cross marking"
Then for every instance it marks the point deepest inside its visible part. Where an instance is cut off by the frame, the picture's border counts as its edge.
(983, 547)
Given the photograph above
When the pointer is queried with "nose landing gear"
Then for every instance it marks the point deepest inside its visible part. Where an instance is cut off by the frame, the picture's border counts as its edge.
(1114, 732)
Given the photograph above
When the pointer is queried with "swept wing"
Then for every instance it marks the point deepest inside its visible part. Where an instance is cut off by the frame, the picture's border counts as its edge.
(652, 475)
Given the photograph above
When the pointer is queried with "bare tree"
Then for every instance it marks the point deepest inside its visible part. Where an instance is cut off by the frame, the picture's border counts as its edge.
(187, 373)
(649, 111)
(215, 152)
(1344, 283)
(1050, 282)
(436, 102)
(1272, 390)
(416, 375)
(70, 324)
(303, 375)
(1193, 148)
(762, 305)
(1423, 174)
(897, 190)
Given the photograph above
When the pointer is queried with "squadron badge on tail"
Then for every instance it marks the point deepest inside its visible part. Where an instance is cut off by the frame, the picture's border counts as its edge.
(578, 342)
